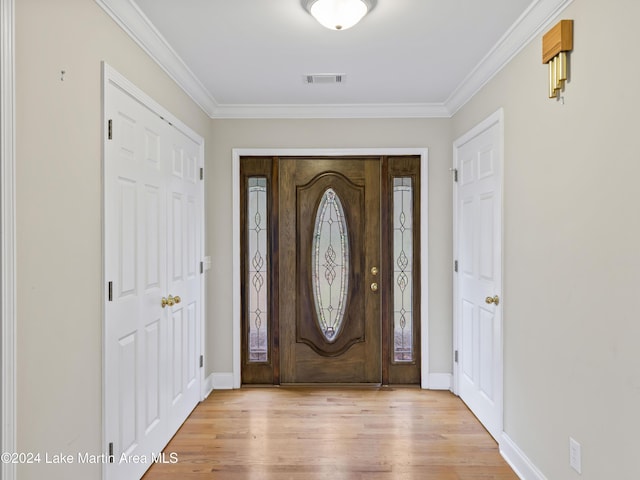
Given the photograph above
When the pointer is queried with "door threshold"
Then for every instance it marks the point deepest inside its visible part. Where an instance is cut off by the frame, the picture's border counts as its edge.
(332, 385)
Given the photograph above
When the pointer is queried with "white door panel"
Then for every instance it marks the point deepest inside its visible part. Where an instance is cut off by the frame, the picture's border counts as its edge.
(478, 211)
(184, 276)
(152, 379)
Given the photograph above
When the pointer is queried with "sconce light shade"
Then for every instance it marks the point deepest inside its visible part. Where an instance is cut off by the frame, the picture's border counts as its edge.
(338, 14)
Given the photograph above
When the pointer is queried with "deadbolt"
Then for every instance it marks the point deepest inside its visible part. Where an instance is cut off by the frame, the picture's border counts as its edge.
(374, 271)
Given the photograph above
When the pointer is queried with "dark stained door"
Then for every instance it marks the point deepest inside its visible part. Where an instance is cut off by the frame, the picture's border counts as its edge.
(329, 251)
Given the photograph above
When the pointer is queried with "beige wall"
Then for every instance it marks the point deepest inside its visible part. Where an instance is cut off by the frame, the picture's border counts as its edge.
(390, 133)
(59, 223)
(572, 246)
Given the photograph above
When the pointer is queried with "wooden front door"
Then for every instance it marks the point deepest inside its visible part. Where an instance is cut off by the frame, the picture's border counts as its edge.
(331, 269)
(329, 244)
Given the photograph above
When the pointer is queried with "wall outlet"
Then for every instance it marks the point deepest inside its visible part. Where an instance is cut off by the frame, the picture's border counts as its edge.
(575, 455)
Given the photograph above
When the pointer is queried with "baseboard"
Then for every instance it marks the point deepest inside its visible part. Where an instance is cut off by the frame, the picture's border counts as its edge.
(220, 381)
(519, 462)
(440, 381)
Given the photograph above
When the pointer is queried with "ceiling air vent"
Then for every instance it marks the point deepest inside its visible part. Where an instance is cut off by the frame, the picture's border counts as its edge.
(325, 78)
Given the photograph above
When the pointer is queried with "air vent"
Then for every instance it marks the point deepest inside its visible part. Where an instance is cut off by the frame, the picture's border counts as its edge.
(325, 78)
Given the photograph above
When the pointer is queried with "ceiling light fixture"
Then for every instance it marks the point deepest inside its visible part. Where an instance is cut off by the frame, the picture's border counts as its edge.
(338, 14)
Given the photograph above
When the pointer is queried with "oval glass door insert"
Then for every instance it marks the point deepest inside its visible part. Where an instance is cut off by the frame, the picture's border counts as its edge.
(330, 265)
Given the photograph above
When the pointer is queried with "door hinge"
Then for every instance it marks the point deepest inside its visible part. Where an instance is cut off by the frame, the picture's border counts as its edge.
(201, 173)
(110, 129)
(111, 452)
(455, 266)
(201, 361)
(455, 174)
(455, 356)
(110, 291)
(201, 267)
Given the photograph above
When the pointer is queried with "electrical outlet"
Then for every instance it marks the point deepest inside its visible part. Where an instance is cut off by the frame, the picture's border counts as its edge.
(575, 455)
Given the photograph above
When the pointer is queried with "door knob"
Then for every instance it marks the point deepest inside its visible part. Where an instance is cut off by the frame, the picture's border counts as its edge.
(374, 271)
(374, 287)
(495, 300)
(170, 301)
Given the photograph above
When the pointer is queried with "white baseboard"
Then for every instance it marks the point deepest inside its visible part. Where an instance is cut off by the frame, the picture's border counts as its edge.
(440, 381)
(519, 462)
(207, 387)
(220, 381)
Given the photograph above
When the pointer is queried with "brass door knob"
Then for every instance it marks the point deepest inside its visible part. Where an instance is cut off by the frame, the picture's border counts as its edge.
(495, 300)
(374, 271)
(170, 301)
(374, 287)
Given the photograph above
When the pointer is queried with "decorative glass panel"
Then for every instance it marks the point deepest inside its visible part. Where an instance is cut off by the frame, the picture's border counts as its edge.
(403, 271)
(257, 261)
(330, 264)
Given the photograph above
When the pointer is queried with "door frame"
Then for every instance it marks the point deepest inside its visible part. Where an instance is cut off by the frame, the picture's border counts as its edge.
(111, 76)
(493, 119)
(337, 153)
(8, 247)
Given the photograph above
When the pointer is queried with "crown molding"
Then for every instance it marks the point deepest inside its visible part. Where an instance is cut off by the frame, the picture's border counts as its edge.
(136, 24)
(368, 110)
(526, 29)
(530, 24)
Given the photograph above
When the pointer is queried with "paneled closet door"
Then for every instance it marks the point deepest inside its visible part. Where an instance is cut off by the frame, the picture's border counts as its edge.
(183, 269)
(135, 266)
(153, 250)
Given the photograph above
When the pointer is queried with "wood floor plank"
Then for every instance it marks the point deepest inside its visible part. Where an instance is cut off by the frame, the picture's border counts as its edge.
(318, 433)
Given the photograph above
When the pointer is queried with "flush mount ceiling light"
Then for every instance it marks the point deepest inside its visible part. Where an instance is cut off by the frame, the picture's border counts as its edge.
(338, 14)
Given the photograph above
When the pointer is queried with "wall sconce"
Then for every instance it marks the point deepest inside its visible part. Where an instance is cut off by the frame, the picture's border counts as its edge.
(555, 45)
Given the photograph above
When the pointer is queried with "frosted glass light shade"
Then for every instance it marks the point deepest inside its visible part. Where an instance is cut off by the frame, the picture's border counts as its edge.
(338, 14)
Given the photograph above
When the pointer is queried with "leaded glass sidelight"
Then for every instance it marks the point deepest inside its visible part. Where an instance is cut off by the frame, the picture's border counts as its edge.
(402, 269)
(330, 265)
(257, 261)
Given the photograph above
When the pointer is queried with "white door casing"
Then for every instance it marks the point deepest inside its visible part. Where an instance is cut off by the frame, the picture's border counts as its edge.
(153, 247)
(478, 163)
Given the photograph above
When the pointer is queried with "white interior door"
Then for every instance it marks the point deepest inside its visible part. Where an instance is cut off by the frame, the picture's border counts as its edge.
(183, 264)
(478, 281)
(153, 228)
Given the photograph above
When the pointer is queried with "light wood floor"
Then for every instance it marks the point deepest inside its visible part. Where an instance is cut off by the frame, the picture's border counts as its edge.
(332, 433)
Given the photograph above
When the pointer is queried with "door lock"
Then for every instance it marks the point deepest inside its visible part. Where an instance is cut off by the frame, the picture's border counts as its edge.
(374, 287)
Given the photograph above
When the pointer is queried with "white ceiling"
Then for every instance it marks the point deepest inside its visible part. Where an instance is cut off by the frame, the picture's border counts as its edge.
(412, 58)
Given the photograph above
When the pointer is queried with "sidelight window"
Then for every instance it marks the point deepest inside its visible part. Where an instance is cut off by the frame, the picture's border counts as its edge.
(403, 269)
(257, 261)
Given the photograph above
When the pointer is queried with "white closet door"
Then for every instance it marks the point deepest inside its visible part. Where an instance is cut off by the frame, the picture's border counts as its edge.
(183, 265)
(135, 264)
(153, 248)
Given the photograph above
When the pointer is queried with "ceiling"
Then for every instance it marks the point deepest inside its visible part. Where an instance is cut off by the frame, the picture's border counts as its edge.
(407, 58)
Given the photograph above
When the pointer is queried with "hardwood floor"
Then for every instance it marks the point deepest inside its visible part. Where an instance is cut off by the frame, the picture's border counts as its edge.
(319, 433)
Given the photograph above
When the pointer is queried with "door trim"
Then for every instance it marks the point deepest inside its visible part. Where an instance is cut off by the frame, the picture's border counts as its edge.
(337, 153)
(112, 77)
(7, 249)
(493, 119)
